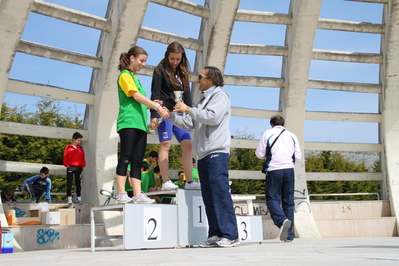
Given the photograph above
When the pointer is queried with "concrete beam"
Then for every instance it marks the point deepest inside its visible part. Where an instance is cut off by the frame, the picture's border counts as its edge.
(352, 57)
(344, 117)
(40, 131)
(253, 81)
(244, 143)
(344, 86)
(371, 1)
(253, 113)
(263, 17)
(167, 38)
(30, 168)
(71, 15)
(326, 24)
(185, 6)
(58, 54)
(257, 49)
(341, 56)
(365, 27)
(338, 146)
(47, 91)
(316, 176)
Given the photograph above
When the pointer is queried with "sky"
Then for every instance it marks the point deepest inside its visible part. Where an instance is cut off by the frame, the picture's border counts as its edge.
(60, 34)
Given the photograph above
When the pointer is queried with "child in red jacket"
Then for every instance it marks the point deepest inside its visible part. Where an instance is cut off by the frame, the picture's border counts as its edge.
(74, 161)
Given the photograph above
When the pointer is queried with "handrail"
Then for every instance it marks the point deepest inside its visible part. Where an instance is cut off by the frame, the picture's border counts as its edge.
(345, 194)
(334, 194)
(51, 193)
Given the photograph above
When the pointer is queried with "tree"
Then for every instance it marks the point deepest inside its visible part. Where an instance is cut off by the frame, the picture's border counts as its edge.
(36, 149)
(328, 161)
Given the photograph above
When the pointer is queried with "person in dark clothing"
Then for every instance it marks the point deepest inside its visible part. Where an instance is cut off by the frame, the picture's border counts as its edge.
(38, 186)
(7, 196)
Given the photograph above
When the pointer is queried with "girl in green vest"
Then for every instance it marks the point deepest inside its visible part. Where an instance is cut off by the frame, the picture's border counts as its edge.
(132, 123)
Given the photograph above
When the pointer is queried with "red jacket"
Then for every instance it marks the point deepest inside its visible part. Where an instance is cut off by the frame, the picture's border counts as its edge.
(74, 156)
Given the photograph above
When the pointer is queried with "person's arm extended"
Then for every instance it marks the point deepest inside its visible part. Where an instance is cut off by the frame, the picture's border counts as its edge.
(144, 100)
(28, 180)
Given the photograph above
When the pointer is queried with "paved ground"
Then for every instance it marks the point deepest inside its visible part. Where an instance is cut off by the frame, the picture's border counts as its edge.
(325, 251)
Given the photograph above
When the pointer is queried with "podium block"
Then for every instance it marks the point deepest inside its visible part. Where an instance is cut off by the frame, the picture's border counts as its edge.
(149, 226)
(250, 228)
(171, 225)
(192, 222)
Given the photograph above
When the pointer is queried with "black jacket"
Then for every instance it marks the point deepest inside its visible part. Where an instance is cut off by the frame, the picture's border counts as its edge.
(162, 89)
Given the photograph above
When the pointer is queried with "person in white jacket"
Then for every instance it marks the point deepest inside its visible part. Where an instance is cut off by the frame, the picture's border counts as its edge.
(281, 150)
(210, 119)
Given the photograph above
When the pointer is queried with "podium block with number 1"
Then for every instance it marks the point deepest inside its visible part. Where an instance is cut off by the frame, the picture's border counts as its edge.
(193, 225)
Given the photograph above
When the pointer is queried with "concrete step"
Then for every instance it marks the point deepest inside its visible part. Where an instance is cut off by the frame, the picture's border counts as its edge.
(354, 218)
(43, 237)
(361, 227)
(325, 210)
(338, 218)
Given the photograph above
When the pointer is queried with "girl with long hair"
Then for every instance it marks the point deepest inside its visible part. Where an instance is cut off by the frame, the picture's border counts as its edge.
(170, 76)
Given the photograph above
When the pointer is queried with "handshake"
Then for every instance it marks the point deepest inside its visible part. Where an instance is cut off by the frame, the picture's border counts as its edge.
(164, 113)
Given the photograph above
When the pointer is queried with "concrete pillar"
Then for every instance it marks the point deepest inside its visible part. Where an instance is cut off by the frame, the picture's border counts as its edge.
(13, 17)
(389, 130)
(215, 33)
(126, 17)
(299, 40)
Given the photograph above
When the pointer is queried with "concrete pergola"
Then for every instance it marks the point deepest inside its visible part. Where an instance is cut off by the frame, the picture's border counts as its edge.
(122, 27)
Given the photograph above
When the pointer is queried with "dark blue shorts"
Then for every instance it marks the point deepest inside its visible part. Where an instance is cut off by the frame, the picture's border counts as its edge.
(166, 128)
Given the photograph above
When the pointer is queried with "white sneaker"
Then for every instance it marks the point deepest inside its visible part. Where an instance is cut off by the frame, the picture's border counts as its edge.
(143, 199)
(193, 185)
(210, 242)
(123, 198)
(79, 200)
(168, 185)
(284, 229)
(69, 200)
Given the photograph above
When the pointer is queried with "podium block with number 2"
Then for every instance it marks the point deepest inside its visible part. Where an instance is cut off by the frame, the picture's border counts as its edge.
(149, 226)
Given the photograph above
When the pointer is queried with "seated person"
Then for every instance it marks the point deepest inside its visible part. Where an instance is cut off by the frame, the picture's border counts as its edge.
(37, 186)
(7, 195)
(180, 183)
